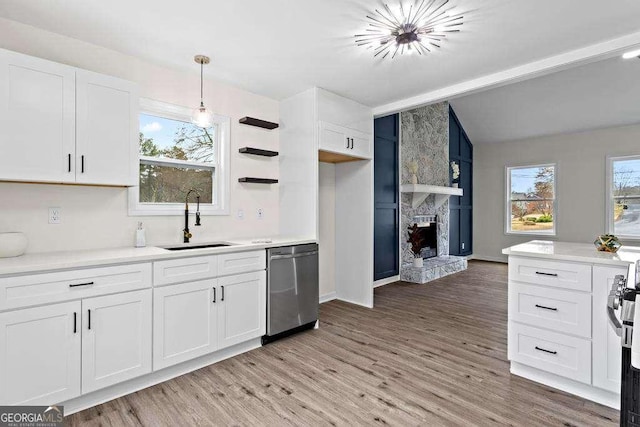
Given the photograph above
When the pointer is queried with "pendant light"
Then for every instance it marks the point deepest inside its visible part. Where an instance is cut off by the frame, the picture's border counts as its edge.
(201, 116)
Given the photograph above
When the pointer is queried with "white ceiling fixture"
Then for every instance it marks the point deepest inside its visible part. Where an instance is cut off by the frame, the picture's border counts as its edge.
(201, 116)
(418, 27)
(632, 54)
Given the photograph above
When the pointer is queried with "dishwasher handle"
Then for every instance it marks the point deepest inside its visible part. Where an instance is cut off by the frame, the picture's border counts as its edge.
(303, 254)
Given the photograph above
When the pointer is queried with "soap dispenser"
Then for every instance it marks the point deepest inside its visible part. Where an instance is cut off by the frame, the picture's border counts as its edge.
(141, 240)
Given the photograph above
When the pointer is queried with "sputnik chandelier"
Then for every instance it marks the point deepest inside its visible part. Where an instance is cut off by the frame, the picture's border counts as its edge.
(417, 27)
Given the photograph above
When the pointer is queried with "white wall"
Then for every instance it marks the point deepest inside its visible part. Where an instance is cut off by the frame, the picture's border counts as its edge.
(327, 229)
(94, 217)
(580, 183)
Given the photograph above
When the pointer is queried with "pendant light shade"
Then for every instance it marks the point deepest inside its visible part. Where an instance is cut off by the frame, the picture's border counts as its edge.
(202, 116)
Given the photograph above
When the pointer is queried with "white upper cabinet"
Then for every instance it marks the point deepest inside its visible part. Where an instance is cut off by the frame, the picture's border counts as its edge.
(66, 125)
(343, 112)
(106, 129)
(345, 127)
(37, 119)
(339, 139)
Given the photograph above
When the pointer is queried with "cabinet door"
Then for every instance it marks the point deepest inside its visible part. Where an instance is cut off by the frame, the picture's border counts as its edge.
(40, 355)
(107, 130)
(360, 144)
(37, 119)
(242, 312)
(333, 138)
(184, 322)
(116, 339)
(607, 352)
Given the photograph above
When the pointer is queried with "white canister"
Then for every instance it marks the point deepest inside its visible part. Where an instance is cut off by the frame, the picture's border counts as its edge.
(13, 244)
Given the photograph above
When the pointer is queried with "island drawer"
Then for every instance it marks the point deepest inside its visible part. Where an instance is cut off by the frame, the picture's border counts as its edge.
(241, 262)
(566, 275)
(46, 288)
(559, 354)
(556, 309)
(182, 270)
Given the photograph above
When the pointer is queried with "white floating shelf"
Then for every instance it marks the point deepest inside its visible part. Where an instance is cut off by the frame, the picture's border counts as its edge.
(420, 193)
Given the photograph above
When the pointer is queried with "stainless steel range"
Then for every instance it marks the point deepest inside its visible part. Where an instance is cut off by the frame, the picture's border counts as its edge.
(621, 307)
(292, 290)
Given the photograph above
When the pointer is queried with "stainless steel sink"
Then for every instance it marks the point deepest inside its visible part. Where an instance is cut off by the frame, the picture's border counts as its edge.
(188, 246)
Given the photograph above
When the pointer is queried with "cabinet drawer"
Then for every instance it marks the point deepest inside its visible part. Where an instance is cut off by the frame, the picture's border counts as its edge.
(565, 275)
(241, 262)
(184, 270)
(23, 291)
(559, 310)
(559, 354)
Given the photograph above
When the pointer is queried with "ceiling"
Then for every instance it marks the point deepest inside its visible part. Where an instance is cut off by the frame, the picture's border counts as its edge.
(281, 47)
(597, 95)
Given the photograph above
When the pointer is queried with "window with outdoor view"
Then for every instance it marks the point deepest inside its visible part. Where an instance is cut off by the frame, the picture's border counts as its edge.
(624, 197)
(176, 156)
(531, 201)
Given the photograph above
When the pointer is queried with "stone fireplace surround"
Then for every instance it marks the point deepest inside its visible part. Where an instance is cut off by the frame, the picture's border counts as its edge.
(425, 140)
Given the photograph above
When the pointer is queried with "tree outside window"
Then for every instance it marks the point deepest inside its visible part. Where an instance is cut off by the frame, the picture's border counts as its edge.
(531, 199)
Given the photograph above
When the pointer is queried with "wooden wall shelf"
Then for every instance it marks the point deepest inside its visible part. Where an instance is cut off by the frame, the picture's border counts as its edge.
(258, 152)
(258, 180)
(251, 121)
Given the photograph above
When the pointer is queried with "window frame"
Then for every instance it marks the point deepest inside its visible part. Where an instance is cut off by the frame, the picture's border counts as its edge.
(609, 225)
(507, 218)
(220, 168)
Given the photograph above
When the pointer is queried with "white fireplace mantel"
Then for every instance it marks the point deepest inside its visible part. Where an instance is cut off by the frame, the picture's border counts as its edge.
(420, 192)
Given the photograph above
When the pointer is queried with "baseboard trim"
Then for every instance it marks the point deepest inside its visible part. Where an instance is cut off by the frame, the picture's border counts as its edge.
(486, 258)
(136, 384)
(328, 297)
(585, 391)
(386, 281)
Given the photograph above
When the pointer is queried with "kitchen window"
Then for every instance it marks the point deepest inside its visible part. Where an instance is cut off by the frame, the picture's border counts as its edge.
(175, 156)
(531, 206)
(623, 207)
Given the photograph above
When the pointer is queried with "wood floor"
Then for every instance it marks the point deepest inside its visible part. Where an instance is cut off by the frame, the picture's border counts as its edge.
(430, 354)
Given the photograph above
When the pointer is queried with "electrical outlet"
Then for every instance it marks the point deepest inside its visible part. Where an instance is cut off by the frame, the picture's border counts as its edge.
(240, 214)
(260, 213)
(55, 215)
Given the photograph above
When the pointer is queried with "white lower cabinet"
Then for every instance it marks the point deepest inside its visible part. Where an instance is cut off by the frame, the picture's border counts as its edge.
(184, 322)
(242, 309)
(607, 350)
(116, 339)
(40, 354)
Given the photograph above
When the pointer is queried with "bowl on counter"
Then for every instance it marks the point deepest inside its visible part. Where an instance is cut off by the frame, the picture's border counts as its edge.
(13, 244)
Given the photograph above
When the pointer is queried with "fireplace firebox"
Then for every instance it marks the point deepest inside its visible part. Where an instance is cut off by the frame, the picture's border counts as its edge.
(428, 229)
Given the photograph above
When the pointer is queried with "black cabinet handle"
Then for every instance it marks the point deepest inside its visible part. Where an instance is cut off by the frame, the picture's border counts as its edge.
(547, 274)
(222, 296)
(89, 319)
(546, 351)
(352, 143)
(76, 285)
(546, 308)
(214, 295)
(69, 161)
(82, 163)
(75, 322)
(347, 143)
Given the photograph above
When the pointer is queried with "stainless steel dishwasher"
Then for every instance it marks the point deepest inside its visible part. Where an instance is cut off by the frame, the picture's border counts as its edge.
(292, 290)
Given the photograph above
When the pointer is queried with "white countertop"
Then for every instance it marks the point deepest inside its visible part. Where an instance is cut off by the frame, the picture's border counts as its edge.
(579, 252)
(46, 261)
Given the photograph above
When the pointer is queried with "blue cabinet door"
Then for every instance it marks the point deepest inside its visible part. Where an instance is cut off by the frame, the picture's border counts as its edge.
(386, 187)
(461, 208)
